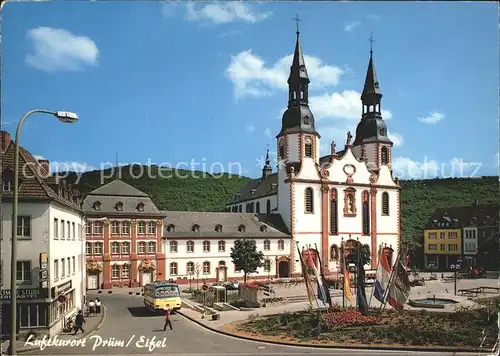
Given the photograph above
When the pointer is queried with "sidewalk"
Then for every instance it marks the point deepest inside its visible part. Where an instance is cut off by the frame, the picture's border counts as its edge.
(92, 324)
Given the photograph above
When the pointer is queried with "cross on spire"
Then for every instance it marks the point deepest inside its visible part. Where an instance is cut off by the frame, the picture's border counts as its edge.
(371, 42)
(297, 20)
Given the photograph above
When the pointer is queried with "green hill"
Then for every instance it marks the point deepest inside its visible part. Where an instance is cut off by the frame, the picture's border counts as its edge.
(211, 193)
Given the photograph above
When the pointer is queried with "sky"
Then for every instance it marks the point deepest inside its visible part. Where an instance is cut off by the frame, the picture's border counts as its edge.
(203, 85)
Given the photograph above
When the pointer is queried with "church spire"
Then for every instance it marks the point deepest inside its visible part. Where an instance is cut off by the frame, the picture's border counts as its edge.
(371, 96)
(298, 81)
(267, 169)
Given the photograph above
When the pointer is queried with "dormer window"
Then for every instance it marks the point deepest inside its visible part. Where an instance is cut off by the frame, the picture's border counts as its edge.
(241, 228)
(6, 186)
(119, 206)
(307, 121)
(195, 228)
(97, 205)
(263, 228)
(218, 228)
(140, 207)
(7, 180)
(171, 228)
(273, 185)
(252, 191)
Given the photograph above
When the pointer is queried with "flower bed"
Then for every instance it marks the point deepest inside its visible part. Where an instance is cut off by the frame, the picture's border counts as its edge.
(347, 317)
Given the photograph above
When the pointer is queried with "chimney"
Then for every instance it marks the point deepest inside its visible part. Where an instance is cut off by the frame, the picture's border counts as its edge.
(5, 140)
(45, 164)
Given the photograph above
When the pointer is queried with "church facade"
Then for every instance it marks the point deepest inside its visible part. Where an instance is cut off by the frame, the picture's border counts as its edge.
(346, 196)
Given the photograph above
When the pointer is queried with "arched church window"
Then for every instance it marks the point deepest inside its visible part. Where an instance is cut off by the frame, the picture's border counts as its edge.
(334, 222)
(371, 108)
(306, 120)
(309, 201)
(257, 207)
(385, 203)
(384, 155)
(366, 214)
(377, 107)
(268, 206)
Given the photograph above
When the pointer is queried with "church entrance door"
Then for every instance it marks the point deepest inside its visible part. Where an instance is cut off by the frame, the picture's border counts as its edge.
(284, 269)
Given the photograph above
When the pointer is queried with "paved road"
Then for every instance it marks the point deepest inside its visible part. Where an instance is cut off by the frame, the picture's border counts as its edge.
(127, 320)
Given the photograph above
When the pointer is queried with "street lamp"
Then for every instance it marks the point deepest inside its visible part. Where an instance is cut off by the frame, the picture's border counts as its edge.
(455, 268)
(63, 116)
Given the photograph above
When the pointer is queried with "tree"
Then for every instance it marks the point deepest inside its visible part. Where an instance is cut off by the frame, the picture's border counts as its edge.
(246, 258)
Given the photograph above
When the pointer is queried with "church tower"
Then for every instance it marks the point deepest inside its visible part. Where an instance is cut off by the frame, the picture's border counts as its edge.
(267, 170)
(372, 142)
(298, 140)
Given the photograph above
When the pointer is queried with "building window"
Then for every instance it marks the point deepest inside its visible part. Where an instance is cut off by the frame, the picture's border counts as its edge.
(432, 236)
(218, 228)
(222, 246)
(309, 201)
(334, 222)
(7, 185)
(115, 248)
(173, 246)
(267, 245)
(33, 315)
(241, 228)
(69, 230)
(98, 248)
(452, 235)
(206, 267)
(240, 208)
(115, 272)
(432, 247)
(56, 229)
(142, 227)
(152, 227)
(173, 269)
(151, 247)
(119, 206)
(385, 203)
(190, 268)
(452, 247)
(140, 207)
(366, 214)
(88, 229)
(384, 156)
(63, 267)
(24, 226)
(63, 231)
(263, 228)
(190, 246)
(74, 230)
(206, 246)
(69, 266)
(141, 248)
(115, 227)
(23, 272)
(442, 247)
(56, 270)
(125, 227)
(257, 207)
(171, 228)
(97, 228)
(125, 248)
(195, 228)
(441, 235)
(282, 151)
(74, 264)
(125, 271)
(267, 265)
(308, 150)
(268, 206)
(88, 248)
(281, 245)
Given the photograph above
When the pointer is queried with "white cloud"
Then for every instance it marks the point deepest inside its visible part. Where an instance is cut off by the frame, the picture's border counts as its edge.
(60, 50)
(406, 168)
(396, 138)
(268, 133)
(252, 77)
(250, 128)
(222, 13)
(433, 118)
(344, 105)
(350, 26)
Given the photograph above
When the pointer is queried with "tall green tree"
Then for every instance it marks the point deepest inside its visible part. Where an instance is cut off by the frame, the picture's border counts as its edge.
(246, 258)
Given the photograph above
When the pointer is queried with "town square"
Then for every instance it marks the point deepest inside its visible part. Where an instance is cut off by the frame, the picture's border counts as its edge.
(174, 184)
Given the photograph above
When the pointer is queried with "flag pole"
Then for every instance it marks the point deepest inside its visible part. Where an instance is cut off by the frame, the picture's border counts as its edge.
(323, 279)
(307, 271)
(389, 283)
(358, 263)
(396, 266)
(376, 271)
(342, 266)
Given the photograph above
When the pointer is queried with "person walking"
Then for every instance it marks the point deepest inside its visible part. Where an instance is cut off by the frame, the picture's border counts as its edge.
(91, 306)
(97, 306)
(167, 321)
(79, 321)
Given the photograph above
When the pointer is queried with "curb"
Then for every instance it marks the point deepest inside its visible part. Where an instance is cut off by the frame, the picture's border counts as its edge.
(103, 318)
(345, 347)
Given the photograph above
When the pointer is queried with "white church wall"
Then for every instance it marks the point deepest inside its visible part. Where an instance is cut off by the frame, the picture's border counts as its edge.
(307, 222)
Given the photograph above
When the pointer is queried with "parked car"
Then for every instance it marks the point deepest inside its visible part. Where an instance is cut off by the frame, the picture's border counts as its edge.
(232, 285)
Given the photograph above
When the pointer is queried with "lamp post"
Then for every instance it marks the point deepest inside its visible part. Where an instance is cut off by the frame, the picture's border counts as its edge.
(63, 116)
(455, 268)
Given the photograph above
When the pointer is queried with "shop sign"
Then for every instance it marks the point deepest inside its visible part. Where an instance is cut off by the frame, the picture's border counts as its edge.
(61, 289)
(31, 293)
(44, 273)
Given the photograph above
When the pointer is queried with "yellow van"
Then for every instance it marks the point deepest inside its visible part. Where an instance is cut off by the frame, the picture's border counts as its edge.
(160, 296)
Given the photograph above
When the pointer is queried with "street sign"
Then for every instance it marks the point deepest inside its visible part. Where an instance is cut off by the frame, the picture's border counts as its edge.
(204, 287)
